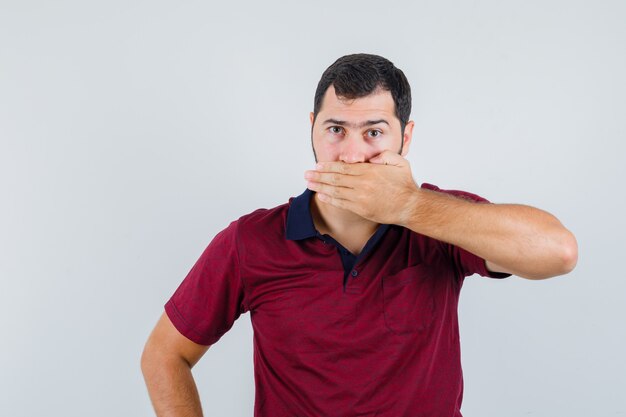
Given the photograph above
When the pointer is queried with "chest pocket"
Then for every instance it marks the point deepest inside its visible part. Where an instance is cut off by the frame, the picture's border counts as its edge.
(409, 299)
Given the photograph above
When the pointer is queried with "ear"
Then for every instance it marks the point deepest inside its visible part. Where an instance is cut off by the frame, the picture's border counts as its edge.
(311, 118)
(408, 135)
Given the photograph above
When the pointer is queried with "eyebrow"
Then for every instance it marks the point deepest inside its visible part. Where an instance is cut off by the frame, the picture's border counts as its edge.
(344, 123)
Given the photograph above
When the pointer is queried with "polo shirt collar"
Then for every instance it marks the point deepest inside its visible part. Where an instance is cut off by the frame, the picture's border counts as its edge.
(299, 221)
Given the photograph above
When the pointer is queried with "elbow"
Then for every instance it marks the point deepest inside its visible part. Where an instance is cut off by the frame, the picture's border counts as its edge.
(151, 359)
(155, 360)
(562, 262)
(569, 255)
(146, 362)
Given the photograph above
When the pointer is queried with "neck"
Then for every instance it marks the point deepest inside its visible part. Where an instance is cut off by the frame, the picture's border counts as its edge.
(337, 222)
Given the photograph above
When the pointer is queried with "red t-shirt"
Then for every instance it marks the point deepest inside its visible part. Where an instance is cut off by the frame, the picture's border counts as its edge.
(335, 335)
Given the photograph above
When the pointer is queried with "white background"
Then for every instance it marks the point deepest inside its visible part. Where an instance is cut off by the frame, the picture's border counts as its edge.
(132, 132)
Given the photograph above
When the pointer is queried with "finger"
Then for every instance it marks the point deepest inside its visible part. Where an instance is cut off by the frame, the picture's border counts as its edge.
(340, 167)
(337, 202)
(332, 178)
(388, 157)
(332, 190)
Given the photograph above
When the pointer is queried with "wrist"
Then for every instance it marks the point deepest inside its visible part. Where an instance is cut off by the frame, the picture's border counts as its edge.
(411, 207)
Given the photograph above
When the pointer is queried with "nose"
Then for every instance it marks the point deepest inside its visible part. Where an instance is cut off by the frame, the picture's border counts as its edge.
(353, 149)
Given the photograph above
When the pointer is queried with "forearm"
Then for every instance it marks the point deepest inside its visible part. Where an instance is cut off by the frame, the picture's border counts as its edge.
(171, 386)
(524, 239)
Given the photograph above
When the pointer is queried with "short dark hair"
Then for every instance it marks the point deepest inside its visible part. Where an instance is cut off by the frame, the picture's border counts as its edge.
(357, 75)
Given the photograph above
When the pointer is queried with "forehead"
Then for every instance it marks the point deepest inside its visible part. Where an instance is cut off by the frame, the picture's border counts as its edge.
(378, 102)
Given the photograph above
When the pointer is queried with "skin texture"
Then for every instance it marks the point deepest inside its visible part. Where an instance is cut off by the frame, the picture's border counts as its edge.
(166, 364)
(353, 145)
(360, 183)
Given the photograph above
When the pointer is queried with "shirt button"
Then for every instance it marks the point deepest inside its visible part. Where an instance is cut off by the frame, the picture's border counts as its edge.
(354, 273)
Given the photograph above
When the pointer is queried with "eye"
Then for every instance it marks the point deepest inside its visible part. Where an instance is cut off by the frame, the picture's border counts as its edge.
(334, 127)
(378, 133)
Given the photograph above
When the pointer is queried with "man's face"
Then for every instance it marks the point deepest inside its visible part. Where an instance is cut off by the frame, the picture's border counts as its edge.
(356, 130)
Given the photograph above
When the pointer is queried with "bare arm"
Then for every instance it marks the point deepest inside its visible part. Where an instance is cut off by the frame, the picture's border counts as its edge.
(514, 238)
(166, 364)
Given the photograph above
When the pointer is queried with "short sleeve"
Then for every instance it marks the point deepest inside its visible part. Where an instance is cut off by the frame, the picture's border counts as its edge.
(466, 262)
(211, 297)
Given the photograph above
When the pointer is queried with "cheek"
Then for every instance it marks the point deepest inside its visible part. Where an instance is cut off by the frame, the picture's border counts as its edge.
(377, 148)
(325, 144)
(330, 151)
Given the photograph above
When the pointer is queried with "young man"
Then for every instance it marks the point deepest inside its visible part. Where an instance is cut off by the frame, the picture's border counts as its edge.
(352, 286)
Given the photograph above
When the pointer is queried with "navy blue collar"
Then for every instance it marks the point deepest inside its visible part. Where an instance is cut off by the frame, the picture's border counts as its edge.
(299, 223)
